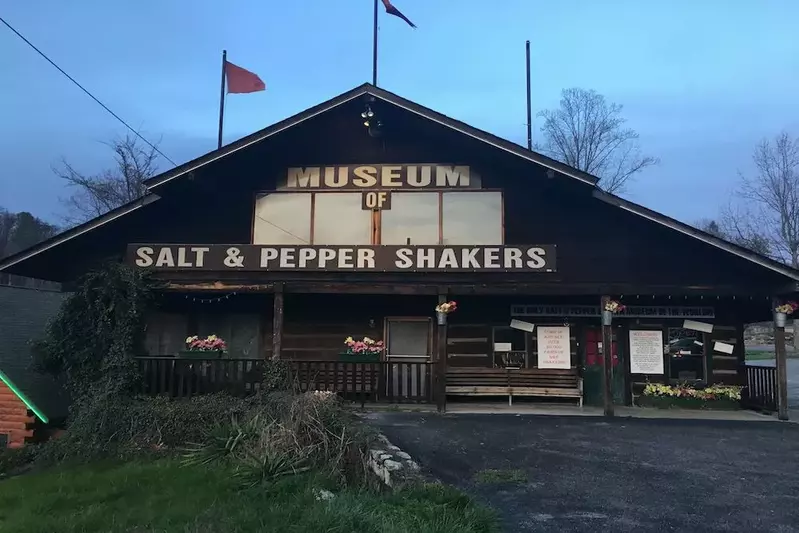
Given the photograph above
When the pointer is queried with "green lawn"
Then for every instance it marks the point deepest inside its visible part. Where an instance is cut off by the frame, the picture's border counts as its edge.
(163, 496)
(758, 355)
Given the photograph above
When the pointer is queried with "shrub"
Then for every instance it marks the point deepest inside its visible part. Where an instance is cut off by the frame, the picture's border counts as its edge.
(298, 433)
(116, 426)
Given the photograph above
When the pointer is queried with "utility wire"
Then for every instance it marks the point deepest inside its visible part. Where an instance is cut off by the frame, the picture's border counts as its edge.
(82, 88)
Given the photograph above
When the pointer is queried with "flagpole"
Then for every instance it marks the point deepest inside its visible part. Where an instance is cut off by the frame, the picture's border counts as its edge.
(529, 104)
(222, 99)
(374, 49)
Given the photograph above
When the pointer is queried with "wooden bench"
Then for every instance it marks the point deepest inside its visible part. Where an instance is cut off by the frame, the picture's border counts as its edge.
(532, 382)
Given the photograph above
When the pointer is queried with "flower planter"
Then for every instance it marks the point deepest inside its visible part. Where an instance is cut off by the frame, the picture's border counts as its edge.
(671, 402)
(441, 318)
(607, 318)
(200, 354)
(780, 319)
(359, 357)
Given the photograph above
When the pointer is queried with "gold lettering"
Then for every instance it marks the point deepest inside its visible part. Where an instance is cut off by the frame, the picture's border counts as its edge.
(391, 177)
(422, 180)
(335, 182)
(364, 176)
(452, 176)
(299, 178)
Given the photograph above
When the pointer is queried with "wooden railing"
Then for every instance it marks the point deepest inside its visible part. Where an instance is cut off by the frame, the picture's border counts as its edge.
(183, 378)
(761, 388)
(392, 382)
(386, 381)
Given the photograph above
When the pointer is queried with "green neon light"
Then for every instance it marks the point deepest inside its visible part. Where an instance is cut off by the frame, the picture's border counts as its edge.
(21, 396)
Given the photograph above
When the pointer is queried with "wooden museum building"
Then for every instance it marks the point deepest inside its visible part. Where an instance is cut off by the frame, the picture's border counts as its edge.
(359, 216)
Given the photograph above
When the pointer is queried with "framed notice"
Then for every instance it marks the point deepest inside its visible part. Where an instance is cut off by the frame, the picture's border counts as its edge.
(646, 351)
(554, 348)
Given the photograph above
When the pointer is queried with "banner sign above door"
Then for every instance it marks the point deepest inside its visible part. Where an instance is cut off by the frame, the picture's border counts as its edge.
(247, 257)
(360, 177)
(630, 311)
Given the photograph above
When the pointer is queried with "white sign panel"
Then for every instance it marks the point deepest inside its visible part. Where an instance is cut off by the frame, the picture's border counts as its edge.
(646, 351)
(554, 348)
(698, 326)
(502, 346)
(522, 325)
(723, 347)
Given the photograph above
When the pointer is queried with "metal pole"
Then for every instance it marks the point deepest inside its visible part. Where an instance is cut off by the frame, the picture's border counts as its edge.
(529, 103)
(782, 367)
(222, 99)
(374, 49)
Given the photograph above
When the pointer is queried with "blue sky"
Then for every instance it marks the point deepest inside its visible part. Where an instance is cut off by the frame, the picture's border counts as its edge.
(701, 82)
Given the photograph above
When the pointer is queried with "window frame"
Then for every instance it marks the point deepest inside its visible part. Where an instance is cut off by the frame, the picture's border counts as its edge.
(387, 334)
(377, 218)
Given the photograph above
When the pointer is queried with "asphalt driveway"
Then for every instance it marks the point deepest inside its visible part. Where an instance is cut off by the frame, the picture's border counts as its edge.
(589, 474)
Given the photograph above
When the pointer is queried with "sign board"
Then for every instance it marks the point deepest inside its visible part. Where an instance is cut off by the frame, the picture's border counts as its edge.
(554, 347)
(646, 351)
(360, 177)
(253, 258)
(630, 311)
(376, 201)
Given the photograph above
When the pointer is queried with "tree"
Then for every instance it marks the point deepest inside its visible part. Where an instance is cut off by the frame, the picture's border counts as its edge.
(19, 231)
(735, 230)
(97, 194)
(586, 132)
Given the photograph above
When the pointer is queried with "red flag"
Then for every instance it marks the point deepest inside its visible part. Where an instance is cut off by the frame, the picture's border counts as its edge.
(241, 80)
(391, 10)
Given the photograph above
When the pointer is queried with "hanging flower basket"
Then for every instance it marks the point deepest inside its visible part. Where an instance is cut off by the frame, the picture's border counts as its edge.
(443, 309)
(781, 313)
(611, 308)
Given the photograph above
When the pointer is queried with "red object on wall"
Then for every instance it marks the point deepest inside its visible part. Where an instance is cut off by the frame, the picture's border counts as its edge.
(593, 338)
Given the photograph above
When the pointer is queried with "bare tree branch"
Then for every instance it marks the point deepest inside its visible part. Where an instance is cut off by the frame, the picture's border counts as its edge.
(588, 133)
(94, 195)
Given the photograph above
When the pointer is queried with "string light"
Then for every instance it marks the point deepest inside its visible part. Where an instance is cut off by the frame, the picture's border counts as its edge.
(210, 300)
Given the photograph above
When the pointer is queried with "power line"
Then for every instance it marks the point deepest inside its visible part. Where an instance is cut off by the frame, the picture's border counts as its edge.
(82, 88)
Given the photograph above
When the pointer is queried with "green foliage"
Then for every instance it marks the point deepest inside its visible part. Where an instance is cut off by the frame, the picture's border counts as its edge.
(122, 427)
(98, 330)
(15, 460)
(165, 496)
(277, 376)
(492, 476)
(288, 435)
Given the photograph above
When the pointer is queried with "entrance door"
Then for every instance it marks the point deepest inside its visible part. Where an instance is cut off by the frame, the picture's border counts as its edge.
(408, 345)
(594, 368)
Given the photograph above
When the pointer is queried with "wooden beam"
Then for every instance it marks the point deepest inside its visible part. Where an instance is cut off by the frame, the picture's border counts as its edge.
(277, 322)
(607, 363)
(782, 367)
(218, 286)
(441, 366)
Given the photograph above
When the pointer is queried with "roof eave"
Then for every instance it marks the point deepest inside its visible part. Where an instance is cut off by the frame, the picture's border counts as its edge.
(691, 231)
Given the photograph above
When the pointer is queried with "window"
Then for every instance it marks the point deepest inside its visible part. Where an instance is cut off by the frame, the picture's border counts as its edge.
(282, 219)
(412, 219)
(339, 219)
(686, 354)
(408, 338)
(472, 217)
(510, 347)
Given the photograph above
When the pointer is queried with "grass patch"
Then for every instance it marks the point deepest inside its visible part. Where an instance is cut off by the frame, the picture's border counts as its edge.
(762, 355)
(491, 476)
(164, 496)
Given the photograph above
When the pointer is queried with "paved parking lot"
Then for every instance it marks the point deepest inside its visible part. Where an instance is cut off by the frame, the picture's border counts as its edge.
(592, 474)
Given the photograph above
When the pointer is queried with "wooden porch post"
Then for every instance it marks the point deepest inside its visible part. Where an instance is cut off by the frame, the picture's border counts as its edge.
(607, 362)
(782, 369)
(277, 322)
(441, 363)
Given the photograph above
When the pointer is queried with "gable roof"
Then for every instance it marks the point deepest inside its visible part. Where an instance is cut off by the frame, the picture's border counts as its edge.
(368, 89)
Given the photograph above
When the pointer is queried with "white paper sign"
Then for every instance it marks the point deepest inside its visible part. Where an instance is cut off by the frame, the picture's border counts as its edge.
(502, 346)
(646, 351)
(698, 326)
(554, 347)
(522, 325)
(723, 347)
